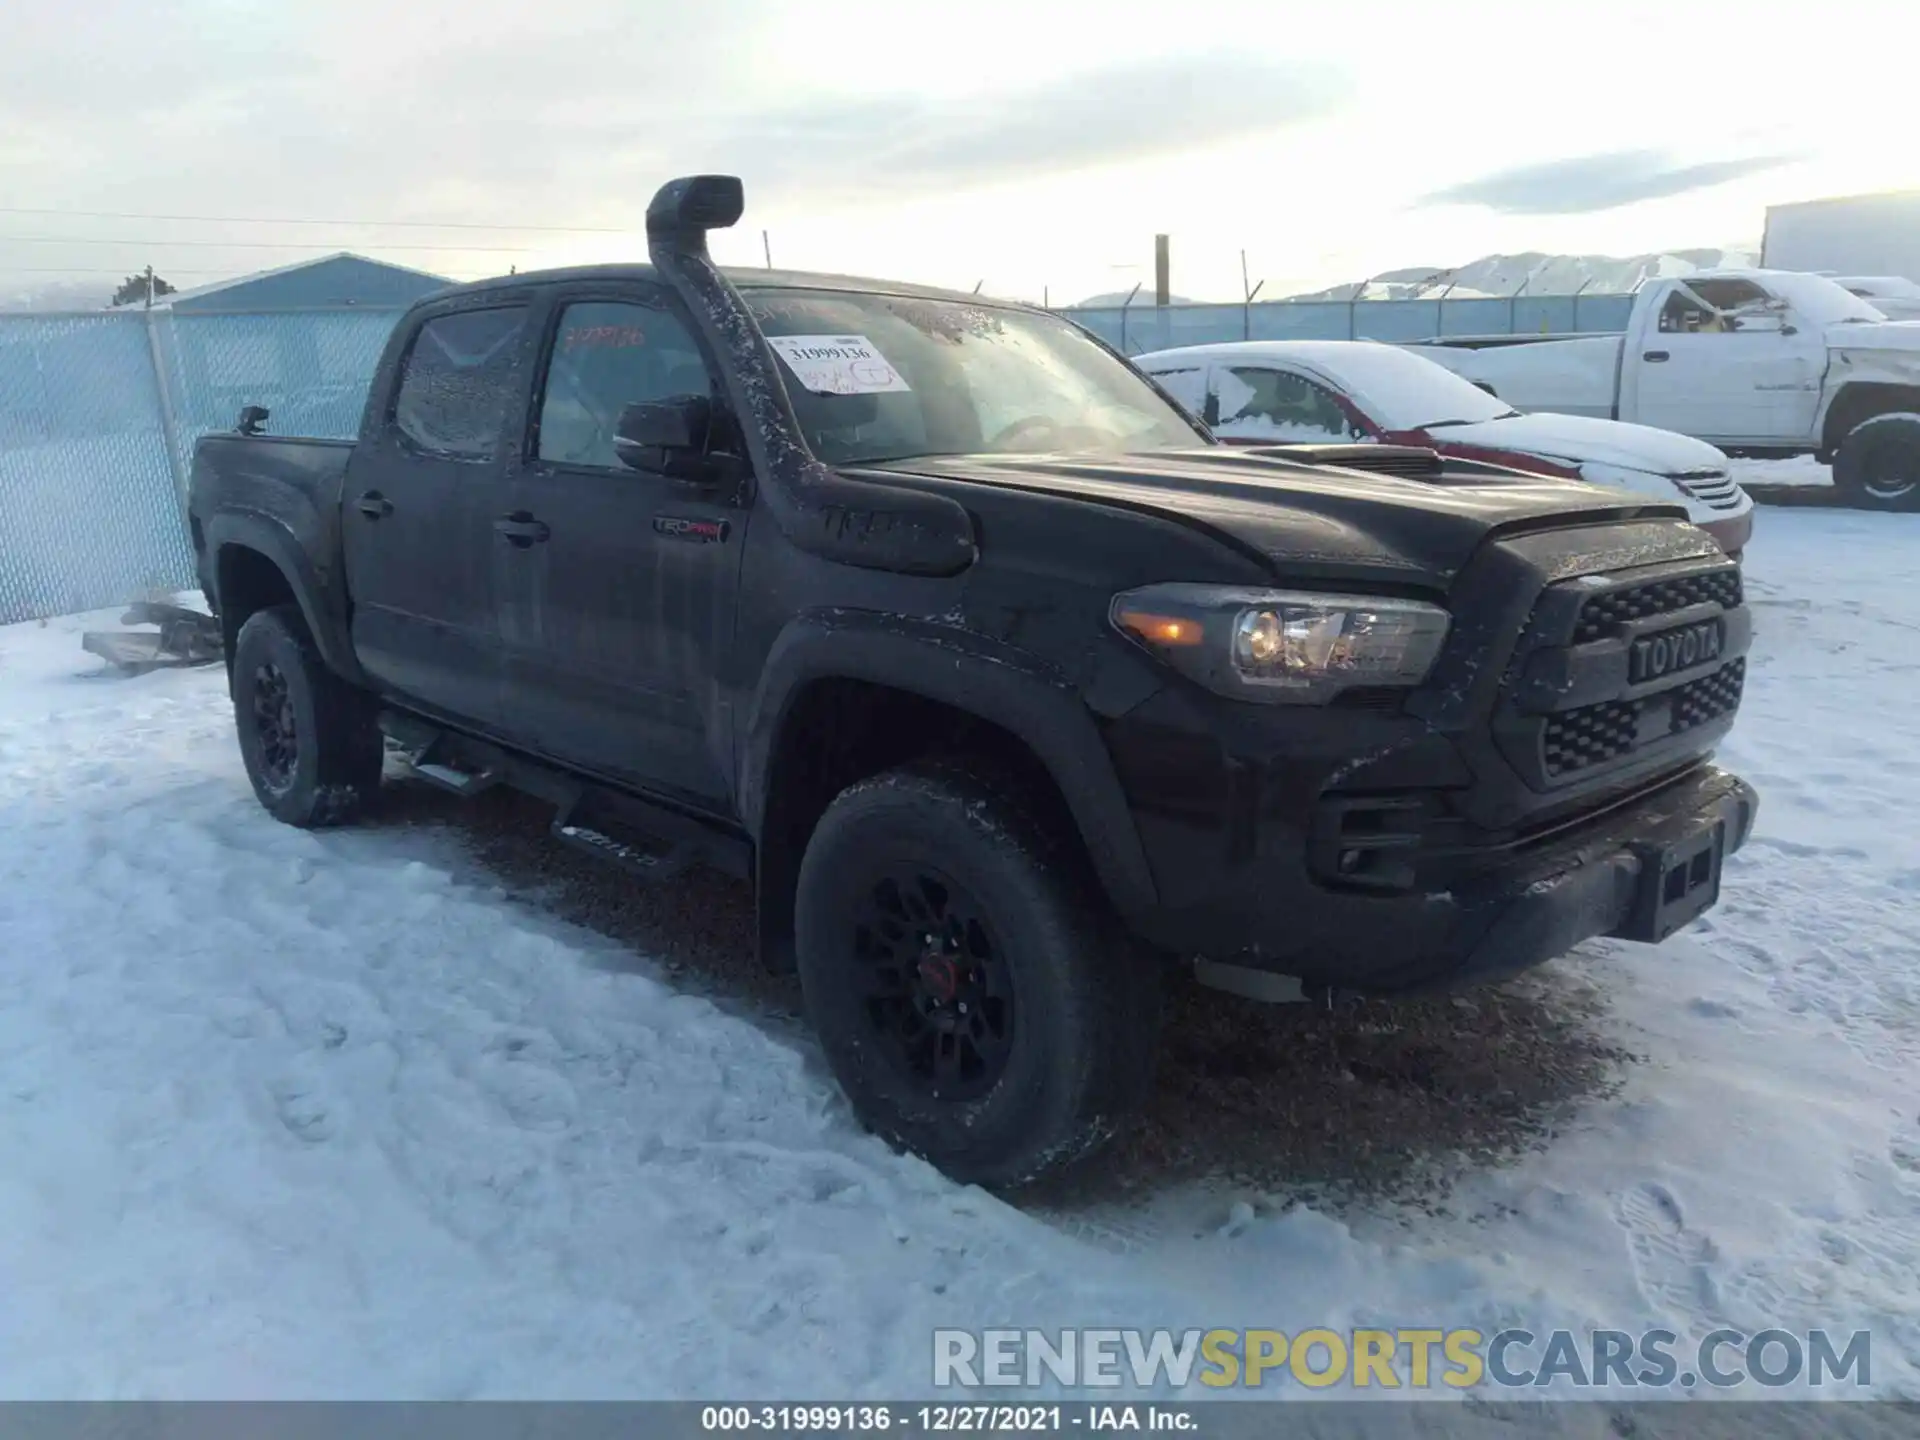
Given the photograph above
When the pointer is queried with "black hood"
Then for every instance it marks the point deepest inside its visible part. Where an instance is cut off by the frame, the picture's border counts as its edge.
(1307, 520)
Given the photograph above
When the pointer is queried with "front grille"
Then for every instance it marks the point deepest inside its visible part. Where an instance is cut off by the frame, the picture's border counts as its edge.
(1713, 488)
(1699, 701)
(1594, 734)
(1589, 736)
(1605, 613)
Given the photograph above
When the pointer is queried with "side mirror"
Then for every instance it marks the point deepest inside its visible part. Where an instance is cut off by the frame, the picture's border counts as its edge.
(664, 435)
(252, 418)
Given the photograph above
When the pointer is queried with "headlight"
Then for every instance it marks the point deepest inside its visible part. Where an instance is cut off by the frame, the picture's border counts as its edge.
(1282, 645)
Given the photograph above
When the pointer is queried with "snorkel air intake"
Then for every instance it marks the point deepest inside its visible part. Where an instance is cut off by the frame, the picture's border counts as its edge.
(854, 522)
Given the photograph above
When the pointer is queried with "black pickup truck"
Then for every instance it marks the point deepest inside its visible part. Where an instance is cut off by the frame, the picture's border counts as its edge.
(1001, 680)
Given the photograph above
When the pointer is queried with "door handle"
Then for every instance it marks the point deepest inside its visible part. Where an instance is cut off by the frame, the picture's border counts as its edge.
(521, 529)
(374, 505)
(1655, 356)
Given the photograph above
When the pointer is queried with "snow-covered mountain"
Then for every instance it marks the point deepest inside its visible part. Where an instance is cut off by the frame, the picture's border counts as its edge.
(1114, 299)
(1502, 275)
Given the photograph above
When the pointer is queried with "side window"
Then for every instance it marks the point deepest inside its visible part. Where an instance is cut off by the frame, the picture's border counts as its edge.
(1281, 405)
(1189, 387)
(608, 355)
(460, 378)
(1714, 307)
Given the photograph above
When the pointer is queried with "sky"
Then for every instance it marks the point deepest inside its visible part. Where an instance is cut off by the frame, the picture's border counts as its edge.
(1031, 147)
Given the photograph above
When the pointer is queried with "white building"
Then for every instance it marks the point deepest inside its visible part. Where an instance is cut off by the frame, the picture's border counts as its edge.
(1851, 235)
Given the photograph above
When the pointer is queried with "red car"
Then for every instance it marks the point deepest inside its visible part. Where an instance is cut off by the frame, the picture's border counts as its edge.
(1313, 392)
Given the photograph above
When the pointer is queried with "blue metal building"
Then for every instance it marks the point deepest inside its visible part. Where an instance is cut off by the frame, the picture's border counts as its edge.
(343, 281)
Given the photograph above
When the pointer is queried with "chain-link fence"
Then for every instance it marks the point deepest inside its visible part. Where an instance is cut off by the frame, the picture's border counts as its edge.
(1142, 326)
(88, 510)
(99, 412)
(310, 368)
(98, 416)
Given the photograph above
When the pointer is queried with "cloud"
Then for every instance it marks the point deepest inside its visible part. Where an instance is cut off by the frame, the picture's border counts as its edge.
(569, 112)
(1095, 117)
(1591, 183)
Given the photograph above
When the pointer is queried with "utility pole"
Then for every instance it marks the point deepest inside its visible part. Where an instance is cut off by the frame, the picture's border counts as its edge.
(1162, 271)
(149, 304)
(1247, 293)
(766, 248)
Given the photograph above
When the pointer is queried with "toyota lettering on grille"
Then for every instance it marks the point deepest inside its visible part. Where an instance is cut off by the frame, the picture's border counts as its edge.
(1656, 656)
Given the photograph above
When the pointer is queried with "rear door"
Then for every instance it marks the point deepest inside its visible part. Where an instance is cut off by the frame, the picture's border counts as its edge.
(421, 492)
(618, 598)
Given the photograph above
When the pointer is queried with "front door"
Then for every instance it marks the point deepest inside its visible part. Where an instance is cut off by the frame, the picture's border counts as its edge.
(618, 595)
(421, 490)
(1720, 365)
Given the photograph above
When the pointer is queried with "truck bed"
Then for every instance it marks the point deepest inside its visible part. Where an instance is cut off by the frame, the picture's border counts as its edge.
(1573, 376)
(296, 480)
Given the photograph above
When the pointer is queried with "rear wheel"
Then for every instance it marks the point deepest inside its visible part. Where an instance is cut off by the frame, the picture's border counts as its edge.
(975, 1001)
(1878, 467)
(308, 739)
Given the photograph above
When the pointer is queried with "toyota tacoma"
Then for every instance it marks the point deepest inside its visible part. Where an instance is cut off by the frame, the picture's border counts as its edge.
(1004, 684)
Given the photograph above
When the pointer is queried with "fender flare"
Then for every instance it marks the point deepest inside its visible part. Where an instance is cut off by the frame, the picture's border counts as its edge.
(273, 539)
(969, 672)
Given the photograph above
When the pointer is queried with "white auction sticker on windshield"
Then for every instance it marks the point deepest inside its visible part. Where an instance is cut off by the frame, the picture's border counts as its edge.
(837, 364)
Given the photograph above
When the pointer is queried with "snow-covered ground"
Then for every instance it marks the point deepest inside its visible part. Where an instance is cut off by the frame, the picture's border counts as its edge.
(1794, 470)
(343, 1114)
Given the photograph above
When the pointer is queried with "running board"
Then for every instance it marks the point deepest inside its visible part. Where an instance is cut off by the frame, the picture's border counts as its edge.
(454, 782)
(647, 839)
(650, 865)
(1248, 983)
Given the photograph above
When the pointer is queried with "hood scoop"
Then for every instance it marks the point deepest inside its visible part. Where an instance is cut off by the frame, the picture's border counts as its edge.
(1409, 462)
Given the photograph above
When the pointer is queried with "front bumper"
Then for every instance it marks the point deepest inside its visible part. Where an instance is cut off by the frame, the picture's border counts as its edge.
(1606, 883)
(1512, 908)
(1508, 809)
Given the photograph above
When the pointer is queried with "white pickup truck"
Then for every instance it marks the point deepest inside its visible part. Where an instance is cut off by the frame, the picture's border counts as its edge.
(1767, 362)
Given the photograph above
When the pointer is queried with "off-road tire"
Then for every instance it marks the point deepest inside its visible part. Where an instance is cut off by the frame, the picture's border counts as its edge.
(323, 767)
(1878, 467)
(1085, 1013)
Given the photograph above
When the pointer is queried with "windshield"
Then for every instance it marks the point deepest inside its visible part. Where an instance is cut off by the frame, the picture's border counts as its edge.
(1404, 391)
(888, 377)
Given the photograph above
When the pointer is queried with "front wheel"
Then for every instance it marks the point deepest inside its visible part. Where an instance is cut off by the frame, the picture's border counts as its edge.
(309, 740)
(1878, 467)
(973, 997)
